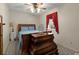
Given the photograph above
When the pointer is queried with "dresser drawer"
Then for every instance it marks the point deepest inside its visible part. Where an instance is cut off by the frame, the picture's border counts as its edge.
(42, 38)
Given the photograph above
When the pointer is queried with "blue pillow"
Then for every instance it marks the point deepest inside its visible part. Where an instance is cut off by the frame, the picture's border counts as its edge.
(31, 28)
(24, 28)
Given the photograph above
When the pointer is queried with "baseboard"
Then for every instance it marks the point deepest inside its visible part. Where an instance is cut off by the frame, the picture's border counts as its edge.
(76, 50)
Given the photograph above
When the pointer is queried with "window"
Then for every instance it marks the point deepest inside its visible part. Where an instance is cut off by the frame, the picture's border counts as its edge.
(51, 24)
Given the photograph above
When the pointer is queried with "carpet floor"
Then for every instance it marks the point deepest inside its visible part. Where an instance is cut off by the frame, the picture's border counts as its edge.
(13, 49)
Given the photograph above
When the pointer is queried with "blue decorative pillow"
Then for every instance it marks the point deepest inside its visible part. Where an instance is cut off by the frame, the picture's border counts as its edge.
(31, 28)
(24, 28)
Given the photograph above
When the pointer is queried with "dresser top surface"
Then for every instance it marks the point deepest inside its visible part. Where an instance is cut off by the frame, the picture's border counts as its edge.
(40, 34)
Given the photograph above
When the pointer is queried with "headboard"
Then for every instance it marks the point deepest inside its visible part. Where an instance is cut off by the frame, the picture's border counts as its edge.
(26, 25)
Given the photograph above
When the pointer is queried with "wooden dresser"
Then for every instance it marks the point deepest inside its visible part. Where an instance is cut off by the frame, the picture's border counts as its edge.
(42, 44)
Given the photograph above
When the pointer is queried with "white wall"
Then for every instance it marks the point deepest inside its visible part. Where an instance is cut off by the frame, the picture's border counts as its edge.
(68, 18)
(18, 17)
(4, 12)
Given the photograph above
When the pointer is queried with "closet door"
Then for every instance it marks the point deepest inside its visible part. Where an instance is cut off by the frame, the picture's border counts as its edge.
(1, 36)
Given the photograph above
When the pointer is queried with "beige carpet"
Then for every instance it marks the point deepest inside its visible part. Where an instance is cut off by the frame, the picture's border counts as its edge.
(14, 50)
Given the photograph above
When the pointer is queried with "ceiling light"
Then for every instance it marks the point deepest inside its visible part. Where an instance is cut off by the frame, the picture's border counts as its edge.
(32, 10)
(38, 10)
(36, 7)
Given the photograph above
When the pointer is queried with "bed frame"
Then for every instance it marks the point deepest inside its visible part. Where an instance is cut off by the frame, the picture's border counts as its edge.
(25, 38)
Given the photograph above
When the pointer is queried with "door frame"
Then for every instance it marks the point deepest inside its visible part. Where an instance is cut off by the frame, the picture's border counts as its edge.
(1, 43)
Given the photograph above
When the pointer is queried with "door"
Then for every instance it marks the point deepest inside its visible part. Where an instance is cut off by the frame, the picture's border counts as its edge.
(1, 36)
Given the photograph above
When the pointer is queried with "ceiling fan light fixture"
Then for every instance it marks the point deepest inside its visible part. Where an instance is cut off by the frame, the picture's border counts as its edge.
(32, 10)
(35, 10)
(38, 10)
(36, 7)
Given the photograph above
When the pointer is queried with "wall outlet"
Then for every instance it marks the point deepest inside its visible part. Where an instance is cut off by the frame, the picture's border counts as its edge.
(70, 42)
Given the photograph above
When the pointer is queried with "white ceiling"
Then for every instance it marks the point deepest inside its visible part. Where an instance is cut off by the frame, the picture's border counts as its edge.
(24, 8)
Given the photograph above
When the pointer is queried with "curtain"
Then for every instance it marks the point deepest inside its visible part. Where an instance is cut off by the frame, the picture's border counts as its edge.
(47, 21)
(54, 19)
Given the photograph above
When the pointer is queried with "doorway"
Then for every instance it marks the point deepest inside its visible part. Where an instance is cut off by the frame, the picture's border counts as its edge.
(1, 36)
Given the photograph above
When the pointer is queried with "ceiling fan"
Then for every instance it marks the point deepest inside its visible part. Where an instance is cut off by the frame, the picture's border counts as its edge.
(36, 7)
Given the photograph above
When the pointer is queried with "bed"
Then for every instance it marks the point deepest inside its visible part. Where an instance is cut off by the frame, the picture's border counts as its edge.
(24, 35)
(24, 31)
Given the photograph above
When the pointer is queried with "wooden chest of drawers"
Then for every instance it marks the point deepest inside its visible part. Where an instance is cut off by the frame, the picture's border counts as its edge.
(43, 44)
